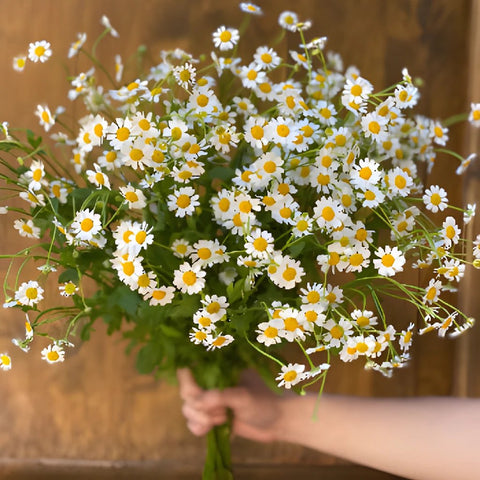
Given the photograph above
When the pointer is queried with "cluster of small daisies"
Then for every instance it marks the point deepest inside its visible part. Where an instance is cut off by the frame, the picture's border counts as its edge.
(281, 187)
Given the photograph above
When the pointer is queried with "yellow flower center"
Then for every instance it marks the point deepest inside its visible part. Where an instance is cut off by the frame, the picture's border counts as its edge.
(158, 294)
(374, 127)
(328, 214)
(260, 244)
(291, 324)
(450, 232)
(271, 332)
(189, 278)
(45, 116)
(356, 90)
(183, 201)
(302, 225)
(290, 376)
(140, 237)
(225, 36)
(213, 308)
(202, 100)
(5, 360)
(37, 174)
(289, 274)
(388, 260)
(53, 356)
(400, 182)
(31, 293)
(245, 206)
(365, 173)
(136, 154)
(313, 296)
(99, 178)
(143, 280)
(123, 133)
(86, 225)
(131, 197)
(266, 58)
(204, 253)
(98, 130)
(128, 268)
(336, 332)
(39, 51)
(257, 132)
(363, 321)
(356, 259)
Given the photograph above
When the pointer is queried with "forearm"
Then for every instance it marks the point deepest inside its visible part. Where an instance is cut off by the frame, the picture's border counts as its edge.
(419, 438)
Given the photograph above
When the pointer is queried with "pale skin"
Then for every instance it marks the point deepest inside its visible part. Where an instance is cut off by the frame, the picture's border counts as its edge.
(421, 438)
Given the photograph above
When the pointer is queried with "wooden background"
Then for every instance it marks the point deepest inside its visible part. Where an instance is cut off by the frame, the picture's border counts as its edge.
(94, 414)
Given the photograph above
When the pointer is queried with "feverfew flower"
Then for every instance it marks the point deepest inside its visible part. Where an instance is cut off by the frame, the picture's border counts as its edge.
(474, 115)
(183, 201)
(5, 361)
(86, 224)
(248, 7)
(77, 45)
(390, 261)
(189, 278)
(54, 353)
(19, 62)
(27, 228)
(39, 51)
(106, 23)
(288, 20)
(29, 293)
(435, 199)
(290, 375)
(225, 38)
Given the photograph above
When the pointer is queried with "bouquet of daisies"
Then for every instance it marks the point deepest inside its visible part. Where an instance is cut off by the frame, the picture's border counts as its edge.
(227, 212)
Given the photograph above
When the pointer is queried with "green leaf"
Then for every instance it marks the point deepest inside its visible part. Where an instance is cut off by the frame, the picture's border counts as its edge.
(148, 358)
(7, 145)
(70, 275)
(33, 140)
(125, 298)
(235, 290)
(296, 249)
(223, 173)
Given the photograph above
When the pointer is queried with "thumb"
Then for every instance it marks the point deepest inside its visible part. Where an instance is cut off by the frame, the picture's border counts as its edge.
(187, 384)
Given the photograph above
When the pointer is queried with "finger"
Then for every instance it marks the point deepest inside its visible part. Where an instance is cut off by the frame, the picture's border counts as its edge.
(233, 398)
(198, 429)
(195, 415)
(188, 386)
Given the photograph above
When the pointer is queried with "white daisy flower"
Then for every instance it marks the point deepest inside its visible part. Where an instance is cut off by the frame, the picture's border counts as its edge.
(225, 38)
(19, 62)
(183, 201)
(27, 228)
(451, 232)
(159, 295)
(53, 353)
(68, 289)
(5, 361)
(134, 197)
(29, 293)
(86, 224)
(189, 279)
(219, 341)
(39, 51)
(290, 375)
(390, 261)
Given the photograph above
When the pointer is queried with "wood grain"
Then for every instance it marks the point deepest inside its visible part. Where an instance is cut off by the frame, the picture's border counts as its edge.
(95, 406)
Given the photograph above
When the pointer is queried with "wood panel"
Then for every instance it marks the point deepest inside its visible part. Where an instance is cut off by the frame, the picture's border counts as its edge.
(94, 406)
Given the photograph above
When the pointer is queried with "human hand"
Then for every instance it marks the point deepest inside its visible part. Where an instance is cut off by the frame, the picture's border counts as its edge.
(257, 411)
